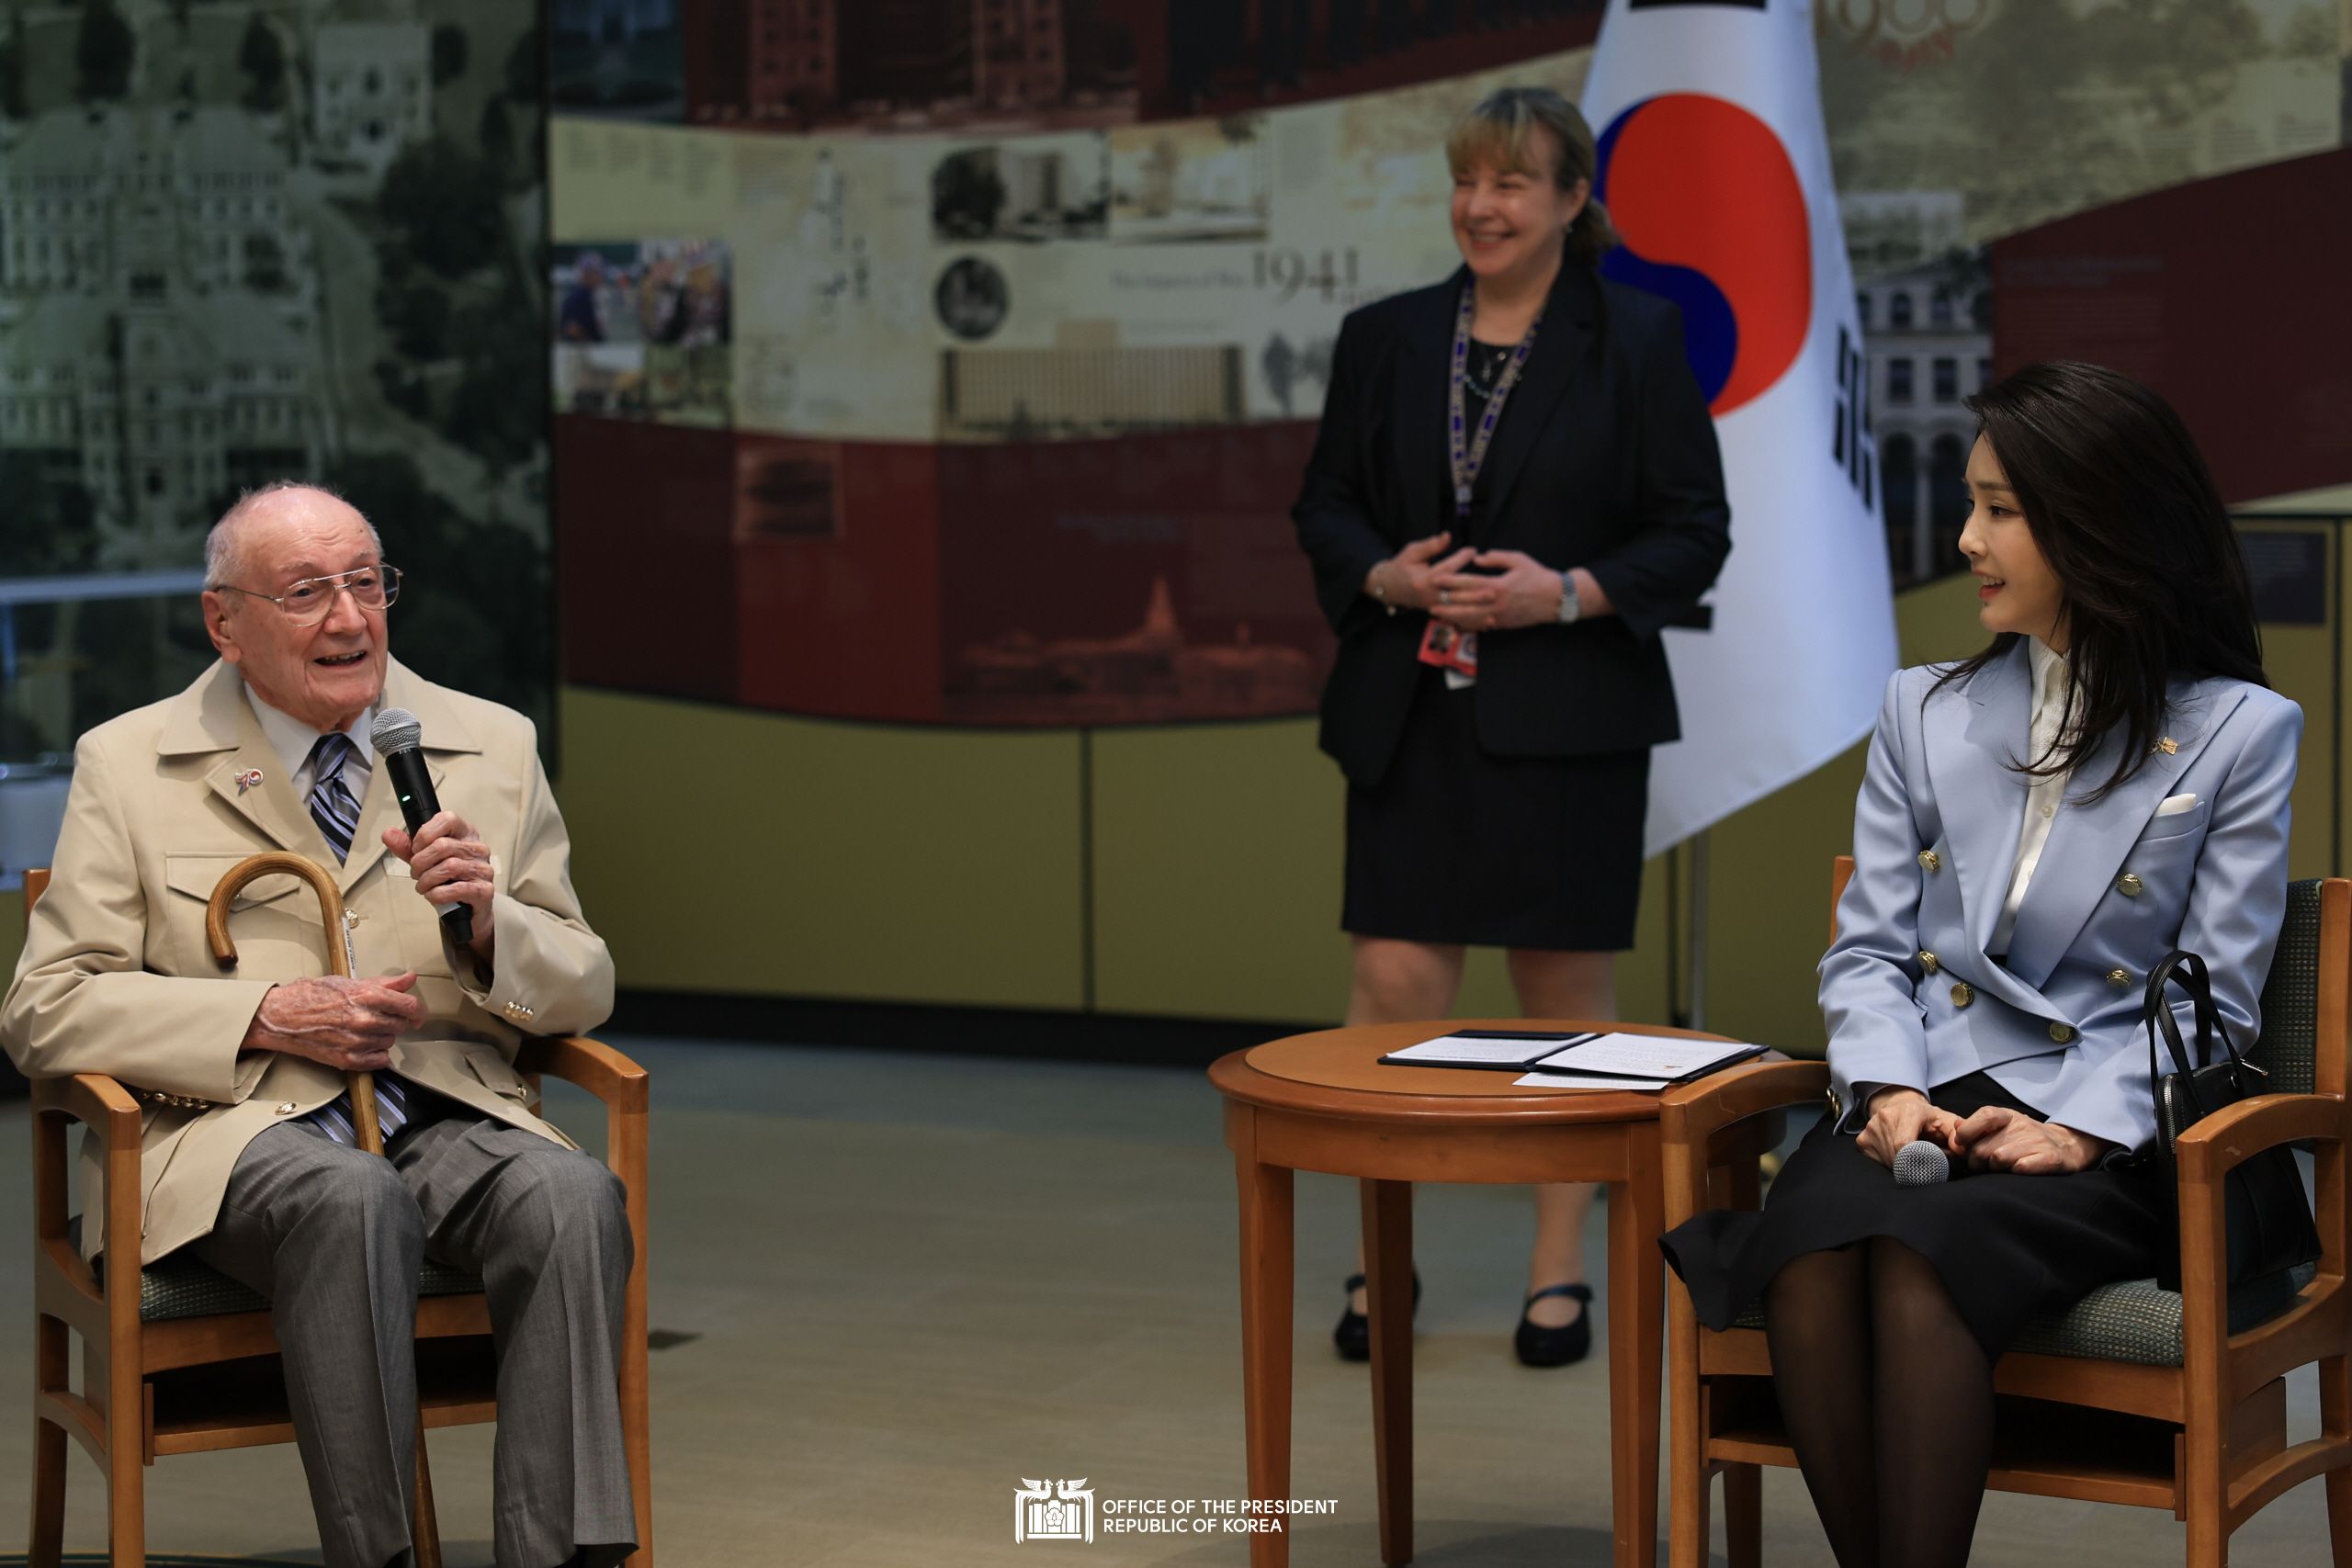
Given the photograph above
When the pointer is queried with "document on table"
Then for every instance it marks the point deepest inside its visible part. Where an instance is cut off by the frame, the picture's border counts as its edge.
(1575, 1081)
(1501, 1049)
(1643, 1061)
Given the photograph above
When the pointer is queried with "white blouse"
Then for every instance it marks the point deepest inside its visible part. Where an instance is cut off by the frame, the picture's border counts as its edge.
(2053, 685)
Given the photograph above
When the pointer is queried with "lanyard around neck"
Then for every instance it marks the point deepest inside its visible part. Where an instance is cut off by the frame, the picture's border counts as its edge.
(1466, 451)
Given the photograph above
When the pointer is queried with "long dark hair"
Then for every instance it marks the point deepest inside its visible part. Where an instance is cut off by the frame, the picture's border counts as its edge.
(2151, 582)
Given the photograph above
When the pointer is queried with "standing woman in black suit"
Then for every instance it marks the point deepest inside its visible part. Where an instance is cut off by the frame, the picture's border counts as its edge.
(1516, 485)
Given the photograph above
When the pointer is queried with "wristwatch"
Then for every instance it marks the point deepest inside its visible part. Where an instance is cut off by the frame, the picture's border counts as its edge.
(1569, 606)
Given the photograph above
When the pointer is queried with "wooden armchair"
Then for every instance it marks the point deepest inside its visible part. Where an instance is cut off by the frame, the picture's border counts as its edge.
(2133, 1395)
(178, 1359)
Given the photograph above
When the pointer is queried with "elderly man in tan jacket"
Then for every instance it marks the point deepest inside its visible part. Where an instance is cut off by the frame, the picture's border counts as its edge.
(249, 1158)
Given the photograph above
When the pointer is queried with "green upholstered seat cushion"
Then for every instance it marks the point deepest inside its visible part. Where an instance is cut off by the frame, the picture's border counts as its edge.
(178, 1285)
(2129, 1320)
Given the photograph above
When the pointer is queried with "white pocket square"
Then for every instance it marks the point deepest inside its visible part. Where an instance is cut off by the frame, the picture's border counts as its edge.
(2173, 804)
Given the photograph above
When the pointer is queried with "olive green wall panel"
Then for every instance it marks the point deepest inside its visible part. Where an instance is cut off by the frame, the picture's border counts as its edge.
(748, 853)
(2301, 661)
(1216, 882)
(1217, 872)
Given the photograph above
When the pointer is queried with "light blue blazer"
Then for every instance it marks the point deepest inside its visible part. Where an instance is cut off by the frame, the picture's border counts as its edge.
(1908, 991)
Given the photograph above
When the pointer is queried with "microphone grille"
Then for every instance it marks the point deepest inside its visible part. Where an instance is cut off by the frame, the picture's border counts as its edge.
(1921, 1163)
(395, 729)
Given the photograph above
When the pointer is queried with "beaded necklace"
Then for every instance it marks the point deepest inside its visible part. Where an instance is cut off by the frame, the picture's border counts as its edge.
(1468, 453)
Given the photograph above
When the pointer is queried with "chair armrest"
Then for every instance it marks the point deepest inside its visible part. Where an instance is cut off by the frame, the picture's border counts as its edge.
(1696, 1111)
(103, 1105)
(94, 1099)
(2222, 1142)
(2207, 1152)
(590, 1064)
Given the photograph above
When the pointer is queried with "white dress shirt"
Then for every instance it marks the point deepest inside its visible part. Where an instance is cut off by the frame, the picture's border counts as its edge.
(292, 740)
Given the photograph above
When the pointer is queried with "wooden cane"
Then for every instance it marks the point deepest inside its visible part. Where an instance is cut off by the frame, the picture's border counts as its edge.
(424, 1531)
(339, 960)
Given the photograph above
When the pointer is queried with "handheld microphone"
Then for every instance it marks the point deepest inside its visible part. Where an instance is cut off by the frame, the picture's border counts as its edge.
(1921, 1163)
(395, 735)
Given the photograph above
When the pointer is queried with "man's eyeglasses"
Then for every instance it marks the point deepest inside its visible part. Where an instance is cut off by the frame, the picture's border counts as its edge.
(311, 600)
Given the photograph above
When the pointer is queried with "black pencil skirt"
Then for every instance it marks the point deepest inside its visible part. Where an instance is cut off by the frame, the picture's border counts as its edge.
(1456, 845)
(2007, 1246)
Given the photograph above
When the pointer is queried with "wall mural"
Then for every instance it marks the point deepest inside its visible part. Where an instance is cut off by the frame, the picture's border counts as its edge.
(962, 381)
(1954, 123)
(1030, 320)
(296, 238)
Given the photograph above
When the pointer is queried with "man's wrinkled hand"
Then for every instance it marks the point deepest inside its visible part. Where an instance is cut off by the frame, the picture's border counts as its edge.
(451, 865)
(347, 1024)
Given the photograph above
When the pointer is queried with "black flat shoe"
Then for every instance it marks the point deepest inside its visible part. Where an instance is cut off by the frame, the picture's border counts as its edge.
(1565, 1346)
(1353, 1335)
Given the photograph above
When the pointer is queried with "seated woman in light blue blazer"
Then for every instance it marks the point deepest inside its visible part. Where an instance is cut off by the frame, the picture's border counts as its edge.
(2037, 827)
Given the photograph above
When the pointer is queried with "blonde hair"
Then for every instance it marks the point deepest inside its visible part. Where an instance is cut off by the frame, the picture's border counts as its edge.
(1500, 132)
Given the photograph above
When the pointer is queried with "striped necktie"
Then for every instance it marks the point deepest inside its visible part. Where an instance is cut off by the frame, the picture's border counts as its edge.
(333, 805)
(336, 811)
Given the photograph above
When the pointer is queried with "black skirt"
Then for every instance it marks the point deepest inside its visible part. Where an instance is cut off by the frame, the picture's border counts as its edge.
(1455, 845)
(2007, 1246)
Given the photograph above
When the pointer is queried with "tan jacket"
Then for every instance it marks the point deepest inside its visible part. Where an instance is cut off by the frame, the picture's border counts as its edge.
(116, 976)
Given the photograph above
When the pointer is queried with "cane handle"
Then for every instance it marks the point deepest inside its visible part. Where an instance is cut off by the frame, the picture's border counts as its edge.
(362, 1085)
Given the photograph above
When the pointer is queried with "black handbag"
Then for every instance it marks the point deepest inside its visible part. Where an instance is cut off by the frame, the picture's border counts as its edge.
(2268, 1216)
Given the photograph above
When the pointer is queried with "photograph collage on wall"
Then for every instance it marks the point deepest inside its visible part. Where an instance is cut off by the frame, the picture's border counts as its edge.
(643, 331)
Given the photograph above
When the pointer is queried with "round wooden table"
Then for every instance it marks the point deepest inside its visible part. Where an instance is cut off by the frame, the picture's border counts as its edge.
(1324, 1102)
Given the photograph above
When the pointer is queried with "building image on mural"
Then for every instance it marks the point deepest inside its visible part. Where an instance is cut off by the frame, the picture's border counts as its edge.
(903, 64)
(619, 58)
(1205, 180)
(1924, 299)
(1153, 671)
(2041, 107)
(1034, 189)
(276, 244)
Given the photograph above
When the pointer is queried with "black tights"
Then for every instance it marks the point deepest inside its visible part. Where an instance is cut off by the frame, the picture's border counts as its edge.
(1888, 1399)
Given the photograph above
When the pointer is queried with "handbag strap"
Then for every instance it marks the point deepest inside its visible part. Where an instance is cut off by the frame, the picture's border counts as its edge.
(2188, 970)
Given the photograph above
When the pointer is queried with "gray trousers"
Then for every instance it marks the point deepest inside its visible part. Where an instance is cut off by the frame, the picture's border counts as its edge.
(335, 1238)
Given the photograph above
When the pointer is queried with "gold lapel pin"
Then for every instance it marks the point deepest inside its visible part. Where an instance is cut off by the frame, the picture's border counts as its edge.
(249, 779)
(2168, 745)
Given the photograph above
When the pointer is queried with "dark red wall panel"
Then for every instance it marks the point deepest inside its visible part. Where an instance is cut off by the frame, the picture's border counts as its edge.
(845, 624)
(645, 555)
(2228, 295)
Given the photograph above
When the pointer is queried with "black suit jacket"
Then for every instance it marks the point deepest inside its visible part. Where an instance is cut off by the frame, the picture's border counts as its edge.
(1605, 458)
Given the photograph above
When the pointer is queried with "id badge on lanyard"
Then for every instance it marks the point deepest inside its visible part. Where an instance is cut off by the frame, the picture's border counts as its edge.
(1454, 651)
